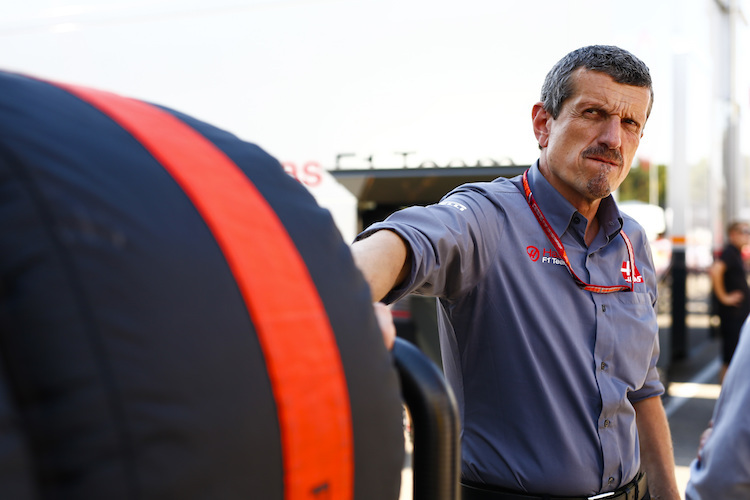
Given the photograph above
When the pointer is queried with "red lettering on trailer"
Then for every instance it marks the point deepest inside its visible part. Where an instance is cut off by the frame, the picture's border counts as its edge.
(309, 173)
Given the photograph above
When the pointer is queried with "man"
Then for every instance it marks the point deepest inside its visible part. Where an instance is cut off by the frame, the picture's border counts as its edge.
(729, 283)
(556, 378)
(722, 469)
(178, 318)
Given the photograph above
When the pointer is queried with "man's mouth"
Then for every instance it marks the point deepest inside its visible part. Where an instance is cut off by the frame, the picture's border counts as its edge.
(610, 161)
(609, 156)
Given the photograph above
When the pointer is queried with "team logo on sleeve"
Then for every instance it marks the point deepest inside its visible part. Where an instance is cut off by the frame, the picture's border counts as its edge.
(636, 276)
(453, 204)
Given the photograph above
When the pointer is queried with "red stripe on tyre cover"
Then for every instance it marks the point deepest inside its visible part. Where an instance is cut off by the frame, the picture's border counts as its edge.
(301, 355)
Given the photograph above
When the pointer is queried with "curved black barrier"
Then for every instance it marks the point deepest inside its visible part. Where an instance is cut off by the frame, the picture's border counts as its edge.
(434, 412)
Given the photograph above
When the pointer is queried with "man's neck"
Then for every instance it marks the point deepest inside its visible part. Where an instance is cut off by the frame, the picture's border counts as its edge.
(591, 230)
(588, 210)
(585, 206)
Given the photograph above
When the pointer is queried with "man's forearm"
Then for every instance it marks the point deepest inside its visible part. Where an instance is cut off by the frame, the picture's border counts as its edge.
(383, 258)
(657, 453)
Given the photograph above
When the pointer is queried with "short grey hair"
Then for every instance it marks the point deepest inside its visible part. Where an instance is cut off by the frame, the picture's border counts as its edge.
(618, 63)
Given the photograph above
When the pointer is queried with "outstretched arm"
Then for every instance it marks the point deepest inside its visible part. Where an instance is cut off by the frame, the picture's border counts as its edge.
(384, 260)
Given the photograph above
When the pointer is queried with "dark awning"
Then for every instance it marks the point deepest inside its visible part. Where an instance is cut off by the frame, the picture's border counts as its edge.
(415, 186)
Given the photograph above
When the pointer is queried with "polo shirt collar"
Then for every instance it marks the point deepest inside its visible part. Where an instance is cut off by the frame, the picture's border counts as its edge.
(610, 218)
(559, 211)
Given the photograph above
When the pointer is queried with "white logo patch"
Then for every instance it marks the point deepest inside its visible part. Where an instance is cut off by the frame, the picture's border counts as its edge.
(453, 204)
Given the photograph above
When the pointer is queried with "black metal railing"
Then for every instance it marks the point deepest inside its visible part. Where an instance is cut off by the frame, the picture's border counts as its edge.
(435, 422)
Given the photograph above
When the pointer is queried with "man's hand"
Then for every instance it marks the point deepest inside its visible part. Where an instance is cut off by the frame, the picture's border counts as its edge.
(733, 298)
(386, 324)
(704, 437)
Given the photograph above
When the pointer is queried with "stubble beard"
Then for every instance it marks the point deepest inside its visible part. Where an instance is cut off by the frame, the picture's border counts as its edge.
(598, 186)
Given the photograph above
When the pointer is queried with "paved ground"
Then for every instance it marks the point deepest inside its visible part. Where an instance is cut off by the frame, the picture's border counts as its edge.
(693, 384)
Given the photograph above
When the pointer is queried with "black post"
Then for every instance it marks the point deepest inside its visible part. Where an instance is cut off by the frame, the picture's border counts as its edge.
(437, 452)
(679, 299)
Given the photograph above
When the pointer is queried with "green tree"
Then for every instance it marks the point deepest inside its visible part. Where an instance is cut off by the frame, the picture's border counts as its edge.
(636, 184)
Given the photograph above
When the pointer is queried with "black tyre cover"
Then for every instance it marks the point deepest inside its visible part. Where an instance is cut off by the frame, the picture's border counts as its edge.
(155, 346)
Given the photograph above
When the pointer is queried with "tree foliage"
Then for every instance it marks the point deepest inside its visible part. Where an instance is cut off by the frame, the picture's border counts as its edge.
(636, 184)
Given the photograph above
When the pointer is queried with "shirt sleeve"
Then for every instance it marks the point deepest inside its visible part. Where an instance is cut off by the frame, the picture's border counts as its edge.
(653, 385)
(722, 472)
(452, 243)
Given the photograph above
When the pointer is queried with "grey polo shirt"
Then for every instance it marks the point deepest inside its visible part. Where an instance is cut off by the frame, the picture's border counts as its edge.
(545, 373)
(723, 471)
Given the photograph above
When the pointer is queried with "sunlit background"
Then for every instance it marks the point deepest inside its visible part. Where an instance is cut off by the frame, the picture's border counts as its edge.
(354, 84)
(448, 82)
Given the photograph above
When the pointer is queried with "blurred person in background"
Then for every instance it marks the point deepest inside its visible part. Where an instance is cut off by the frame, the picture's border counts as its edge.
(730, 288)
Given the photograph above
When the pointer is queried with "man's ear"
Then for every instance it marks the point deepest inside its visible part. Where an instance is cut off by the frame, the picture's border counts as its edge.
(540, 119)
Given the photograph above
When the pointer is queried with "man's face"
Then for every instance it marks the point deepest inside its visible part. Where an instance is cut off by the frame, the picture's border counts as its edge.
(588, 149)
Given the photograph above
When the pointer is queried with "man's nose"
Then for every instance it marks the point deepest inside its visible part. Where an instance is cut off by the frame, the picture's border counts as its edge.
(610, 133)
